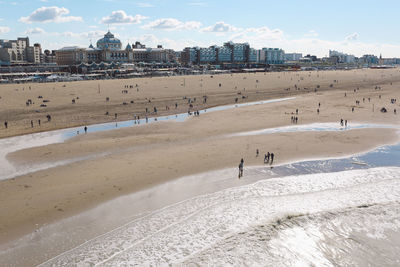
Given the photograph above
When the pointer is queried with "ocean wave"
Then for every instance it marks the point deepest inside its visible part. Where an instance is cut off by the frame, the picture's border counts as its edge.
(197, 229)
(365, 235)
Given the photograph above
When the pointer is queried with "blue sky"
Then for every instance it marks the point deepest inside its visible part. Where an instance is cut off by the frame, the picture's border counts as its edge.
(313, 26)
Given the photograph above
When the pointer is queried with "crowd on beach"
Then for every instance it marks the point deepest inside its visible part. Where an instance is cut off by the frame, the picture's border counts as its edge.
(191, 101)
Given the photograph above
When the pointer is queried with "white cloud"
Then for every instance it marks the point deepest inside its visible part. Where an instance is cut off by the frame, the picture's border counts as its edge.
(35, 31)
(120, 17)
(4, 29)
(50, 14)
(151, 40)
(220, 27)
(259, 36)
(352, 37)
(85, 35)
(172, 24)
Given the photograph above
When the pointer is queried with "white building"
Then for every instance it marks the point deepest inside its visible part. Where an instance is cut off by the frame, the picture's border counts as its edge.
(18, 51)
(342, 57)
(271, 56)
(293, 56)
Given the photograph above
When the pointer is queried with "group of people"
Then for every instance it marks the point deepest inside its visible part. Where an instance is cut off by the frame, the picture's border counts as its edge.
(39, 122)
(268, 158)
(343, 123)
(294, 119)
(32, 123)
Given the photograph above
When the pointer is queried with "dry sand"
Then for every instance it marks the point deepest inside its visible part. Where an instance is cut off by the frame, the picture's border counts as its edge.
(92, 106)
(141, 157)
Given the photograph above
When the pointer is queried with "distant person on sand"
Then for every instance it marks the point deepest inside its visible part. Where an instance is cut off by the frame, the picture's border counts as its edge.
(265, 158)
(6, 124)
(85, 129)
(241, 168)
(257, 152)
(31, 123)
(272, 158)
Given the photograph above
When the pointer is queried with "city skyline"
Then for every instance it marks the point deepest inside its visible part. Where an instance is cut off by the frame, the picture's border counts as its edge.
(310, 28)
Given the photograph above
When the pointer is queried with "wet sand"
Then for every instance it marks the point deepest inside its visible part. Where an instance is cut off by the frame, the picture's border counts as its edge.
(141, 157)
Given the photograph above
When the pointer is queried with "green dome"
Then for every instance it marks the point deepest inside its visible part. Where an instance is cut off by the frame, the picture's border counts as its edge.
(109, 42)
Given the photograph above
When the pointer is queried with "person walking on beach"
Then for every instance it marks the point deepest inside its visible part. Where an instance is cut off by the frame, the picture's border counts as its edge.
(6, 124)
(241, 168)
(85, 129)
(257, 152)
(341, 122)
(265, 158)
(345, 123)
(272, 158)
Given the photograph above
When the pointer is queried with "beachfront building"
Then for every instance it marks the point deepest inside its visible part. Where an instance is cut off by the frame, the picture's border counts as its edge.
(189, 55)
(339, 57)
(224, 54)
(293, 56)
(229, 53)
(49, 57)
(390, 61)
(208, 55)
(253, 55)
(19, 52)
(240, 51)
(271, 56)
(109, 49)
(369, 60)
(158, 55)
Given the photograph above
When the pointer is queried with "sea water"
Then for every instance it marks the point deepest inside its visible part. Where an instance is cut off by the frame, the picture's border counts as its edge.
(292, 220)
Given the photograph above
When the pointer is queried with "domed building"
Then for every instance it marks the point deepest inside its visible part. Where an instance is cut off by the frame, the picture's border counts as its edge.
(109, 42)
(109, 50)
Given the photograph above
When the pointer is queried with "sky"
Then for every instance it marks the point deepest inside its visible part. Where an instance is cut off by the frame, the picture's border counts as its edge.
(308, 26)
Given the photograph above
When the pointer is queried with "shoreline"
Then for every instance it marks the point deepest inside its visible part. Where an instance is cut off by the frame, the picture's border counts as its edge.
(89, 206)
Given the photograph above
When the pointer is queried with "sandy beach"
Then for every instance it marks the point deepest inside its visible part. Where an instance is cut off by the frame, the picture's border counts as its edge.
(119, 162)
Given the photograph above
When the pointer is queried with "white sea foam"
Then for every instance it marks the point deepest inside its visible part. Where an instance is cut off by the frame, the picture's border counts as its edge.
(201, 229)
(319, 127)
